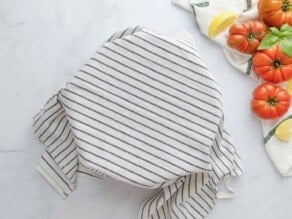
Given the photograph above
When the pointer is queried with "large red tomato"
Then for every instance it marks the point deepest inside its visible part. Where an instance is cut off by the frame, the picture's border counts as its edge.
(270, 101)
(273, 65)
(275, 13)
(245, 37)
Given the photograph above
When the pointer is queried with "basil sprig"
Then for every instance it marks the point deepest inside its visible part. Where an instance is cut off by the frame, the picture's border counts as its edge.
(282, 36)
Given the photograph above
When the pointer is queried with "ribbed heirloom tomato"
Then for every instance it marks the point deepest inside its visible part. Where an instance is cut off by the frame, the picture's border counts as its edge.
(270, 101)
(275, 13)
(273, 65)
(245, 37)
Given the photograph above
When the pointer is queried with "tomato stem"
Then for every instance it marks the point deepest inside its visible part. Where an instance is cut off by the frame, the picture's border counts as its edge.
(250, 36)
(276, 63)
(286, 5)
(272, 101)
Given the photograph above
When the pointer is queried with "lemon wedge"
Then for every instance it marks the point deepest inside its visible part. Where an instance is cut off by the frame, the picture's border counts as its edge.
(220, 22)
(284, 130)
(289, 87)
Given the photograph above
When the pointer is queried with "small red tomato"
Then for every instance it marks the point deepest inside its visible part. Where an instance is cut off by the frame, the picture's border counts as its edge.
(275, 13)
(245, 37)
(270, 101)
(273, 65)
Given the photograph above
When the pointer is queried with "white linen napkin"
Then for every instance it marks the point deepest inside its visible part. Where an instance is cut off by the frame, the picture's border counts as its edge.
(143, 110)
(280, 152)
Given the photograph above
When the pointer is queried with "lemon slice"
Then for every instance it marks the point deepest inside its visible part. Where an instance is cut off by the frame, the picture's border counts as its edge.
(284, 130)
(220, 22)
(289, 87)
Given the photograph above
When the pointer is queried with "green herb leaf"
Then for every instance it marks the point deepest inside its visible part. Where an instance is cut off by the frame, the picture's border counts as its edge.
(284, 27)
(274, 30)
(286, 46)
(268, 41)
(285, 34)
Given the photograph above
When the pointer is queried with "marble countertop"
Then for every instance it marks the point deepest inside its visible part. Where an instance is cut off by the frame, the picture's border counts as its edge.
(42, 44)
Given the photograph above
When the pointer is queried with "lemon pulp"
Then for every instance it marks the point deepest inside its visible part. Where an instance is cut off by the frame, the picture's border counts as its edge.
(284, 130)
(220, 22)
(289, 87)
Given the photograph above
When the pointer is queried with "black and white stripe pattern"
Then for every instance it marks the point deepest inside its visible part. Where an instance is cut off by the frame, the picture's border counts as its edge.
(143, 110)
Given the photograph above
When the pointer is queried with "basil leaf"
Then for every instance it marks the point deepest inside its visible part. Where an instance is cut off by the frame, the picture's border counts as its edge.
(268, 41)
(286, 46)
(274, 30)
(284, 27)
(285, 34)
(287, 28)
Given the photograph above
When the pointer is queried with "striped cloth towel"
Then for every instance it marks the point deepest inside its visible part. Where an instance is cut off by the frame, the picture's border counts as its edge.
(279, 151)
(143, 110)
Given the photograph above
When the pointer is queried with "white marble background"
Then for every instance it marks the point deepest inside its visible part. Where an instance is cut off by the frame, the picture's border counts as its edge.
(42, 44)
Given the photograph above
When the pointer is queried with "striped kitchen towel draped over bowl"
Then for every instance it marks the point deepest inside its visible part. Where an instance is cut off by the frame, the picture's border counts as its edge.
(143, 110)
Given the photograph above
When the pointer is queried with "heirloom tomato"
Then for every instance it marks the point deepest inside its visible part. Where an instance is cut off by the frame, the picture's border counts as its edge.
(245, 37)
(275, 12)
(270, 101)
(273, 65)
